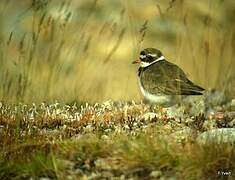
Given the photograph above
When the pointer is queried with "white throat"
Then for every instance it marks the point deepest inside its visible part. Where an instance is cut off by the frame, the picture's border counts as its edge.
(145, 64)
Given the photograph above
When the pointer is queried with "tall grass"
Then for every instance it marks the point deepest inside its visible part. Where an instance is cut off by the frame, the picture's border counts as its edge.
(69, 50)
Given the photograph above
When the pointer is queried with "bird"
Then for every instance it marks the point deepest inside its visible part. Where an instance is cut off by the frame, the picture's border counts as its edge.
(162, 82)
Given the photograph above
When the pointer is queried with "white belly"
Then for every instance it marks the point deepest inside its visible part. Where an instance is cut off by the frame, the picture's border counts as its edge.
(154, 98)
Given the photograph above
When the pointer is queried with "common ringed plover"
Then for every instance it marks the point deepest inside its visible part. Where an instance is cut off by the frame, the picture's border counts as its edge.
(161, 81)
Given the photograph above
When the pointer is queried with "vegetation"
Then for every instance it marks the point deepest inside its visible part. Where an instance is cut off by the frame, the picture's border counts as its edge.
(60, 62)
(105, 141)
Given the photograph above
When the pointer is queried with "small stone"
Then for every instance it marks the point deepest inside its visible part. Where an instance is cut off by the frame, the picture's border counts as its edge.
(156, 174)
(104, 137)
(222, 135)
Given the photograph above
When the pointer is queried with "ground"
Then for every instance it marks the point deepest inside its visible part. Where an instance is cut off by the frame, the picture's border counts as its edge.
(122, 140)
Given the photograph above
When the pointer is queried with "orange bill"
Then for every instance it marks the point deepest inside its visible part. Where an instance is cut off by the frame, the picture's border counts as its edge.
(138, 61)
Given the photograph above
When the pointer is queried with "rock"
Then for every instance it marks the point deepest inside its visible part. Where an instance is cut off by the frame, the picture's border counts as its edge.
(156, 174)
(104, 137)
(222, 135)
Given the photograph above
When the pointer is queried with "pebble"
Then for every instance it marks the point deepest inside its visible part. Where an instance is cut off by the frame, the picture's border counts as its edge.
(104, 137)
(156, 174)
(222, 135)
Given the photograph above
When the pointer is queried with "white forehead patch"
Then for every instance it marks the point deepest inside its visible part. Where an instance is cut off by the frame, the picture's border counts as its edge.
(142, 56)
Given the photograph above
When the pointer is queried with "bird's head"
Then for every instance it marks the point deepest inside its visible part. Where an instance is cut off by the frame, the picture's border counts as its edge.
(149, 56)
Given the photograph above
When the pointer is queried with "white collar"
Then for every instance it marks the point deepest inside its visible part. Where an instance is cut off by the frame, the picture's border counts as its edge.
(146, 64)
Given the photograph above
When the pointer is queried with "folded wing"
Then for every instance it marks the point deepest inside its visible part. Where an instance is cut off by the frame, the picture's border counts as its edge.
(164, 77)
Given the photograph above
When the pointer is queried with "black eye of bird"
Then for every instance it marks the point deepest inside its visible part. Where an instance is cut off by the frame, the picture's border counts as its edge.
(142, 55)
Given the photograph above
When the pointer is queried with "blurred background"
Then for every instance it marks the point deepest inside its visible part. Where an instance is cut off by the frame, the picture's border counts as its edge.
(81, 50)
